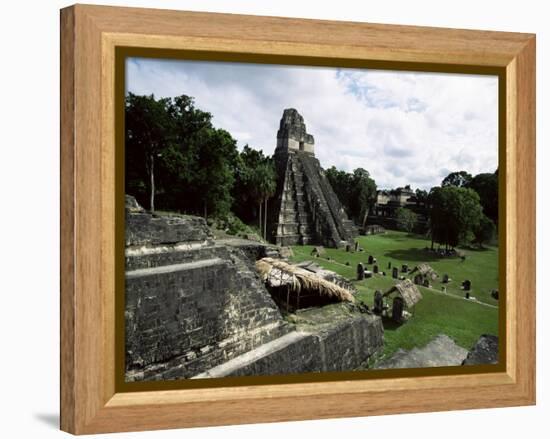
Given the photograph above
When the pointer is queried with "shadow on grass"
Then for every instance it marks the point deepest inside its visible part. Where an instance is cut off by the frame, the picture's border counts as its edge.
(414, 254)
(397, 237)
(471, 248)
(390, 325)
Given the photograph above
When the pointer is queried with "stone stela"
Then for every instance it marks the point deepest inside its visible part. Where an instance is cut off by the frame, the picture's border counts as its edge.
(305, 209)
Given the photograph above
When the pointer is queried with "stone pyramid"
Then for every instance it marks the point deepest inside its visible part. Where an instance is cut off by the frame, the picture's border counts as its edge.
(305, 209)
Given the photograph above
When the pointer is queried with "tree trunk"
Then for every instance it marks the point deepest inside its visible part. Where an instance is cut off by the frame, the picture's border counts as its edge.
(205, 211)
(365, 217)
(260, 217)
(265, 220)
(152, 175)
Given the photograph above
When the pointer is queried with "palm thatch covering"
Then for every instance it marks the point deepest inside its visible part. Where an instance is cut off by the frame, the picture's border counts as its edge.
(329, 275)
(408, 291)
(278, 273)
(426, 271)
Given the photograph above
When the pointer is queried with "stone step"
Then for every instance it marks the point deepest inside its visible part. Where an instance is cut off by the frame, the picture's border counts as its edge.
(245, 360)
(166, 269)
(155, 256)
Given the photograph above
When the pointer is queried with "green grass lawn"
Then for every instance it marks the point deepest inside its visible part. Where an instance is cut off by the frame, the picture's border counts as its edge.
(437, 313)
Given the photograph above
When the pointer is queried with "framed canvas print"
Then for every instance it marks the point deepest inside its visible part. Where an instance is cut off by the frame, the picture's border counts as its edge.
(269, 219)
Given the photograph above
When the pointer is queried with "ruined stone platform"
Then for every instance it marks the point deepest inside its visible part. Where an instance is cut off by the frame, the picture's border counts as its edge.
(190, 303)
(196, 306)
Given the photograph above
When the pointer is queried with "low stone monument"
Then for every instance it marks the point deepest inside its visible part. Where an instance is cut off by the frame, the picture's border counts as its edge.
(446, 278)
(371, 259)
(395, 273)
(375, 269)
(318, 251)
(467, 285)
(378, 302)
(397, 309)
(360, 271)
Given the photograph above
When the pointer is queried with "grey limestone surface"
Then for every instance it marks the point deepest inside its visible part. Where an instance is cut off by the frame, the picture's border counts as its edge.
(485, 351)
(440, 351)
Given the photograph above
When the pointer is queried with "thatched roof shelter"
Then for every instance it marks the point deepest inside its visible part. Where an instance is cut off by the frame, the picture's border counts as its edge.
(278, 273)
(408, 291)
(425, 270)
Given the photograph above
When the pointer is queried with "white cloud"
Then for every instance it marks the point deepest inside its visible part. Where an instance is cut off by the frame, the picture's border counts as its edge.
(404, 128)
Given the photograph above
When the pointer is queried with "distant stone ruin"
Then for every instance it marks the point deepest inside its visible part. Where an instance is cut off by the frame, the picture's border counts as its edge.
(305, 209)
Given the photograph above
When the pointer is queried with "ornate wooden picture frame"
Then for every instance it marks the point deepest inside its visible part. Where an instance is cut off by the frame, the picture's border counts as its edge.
(94, 41)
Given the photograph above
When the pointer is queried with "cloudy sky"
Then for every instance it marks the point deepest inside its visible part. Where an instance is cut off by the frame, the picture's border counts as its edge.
(404, 128)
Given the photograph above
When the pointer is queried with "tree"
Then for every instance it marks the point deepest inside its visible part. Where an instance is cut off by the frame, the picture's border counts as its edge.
(148, 134)
(356, 191)
(363, 195)
(486, 186)
(421, 197)
(247, 200)
(174, 151)
(264, 175)
(458, 179)
(214, 176)
(201, 175)
(485, 231)
(455, 212)
(406, 219)
(341, 182)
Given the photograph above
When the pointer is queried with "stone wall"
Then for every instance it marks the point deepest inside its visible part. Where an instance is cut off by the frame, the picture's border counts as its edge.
(323, 342)
(292, 133)
(190, 303)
